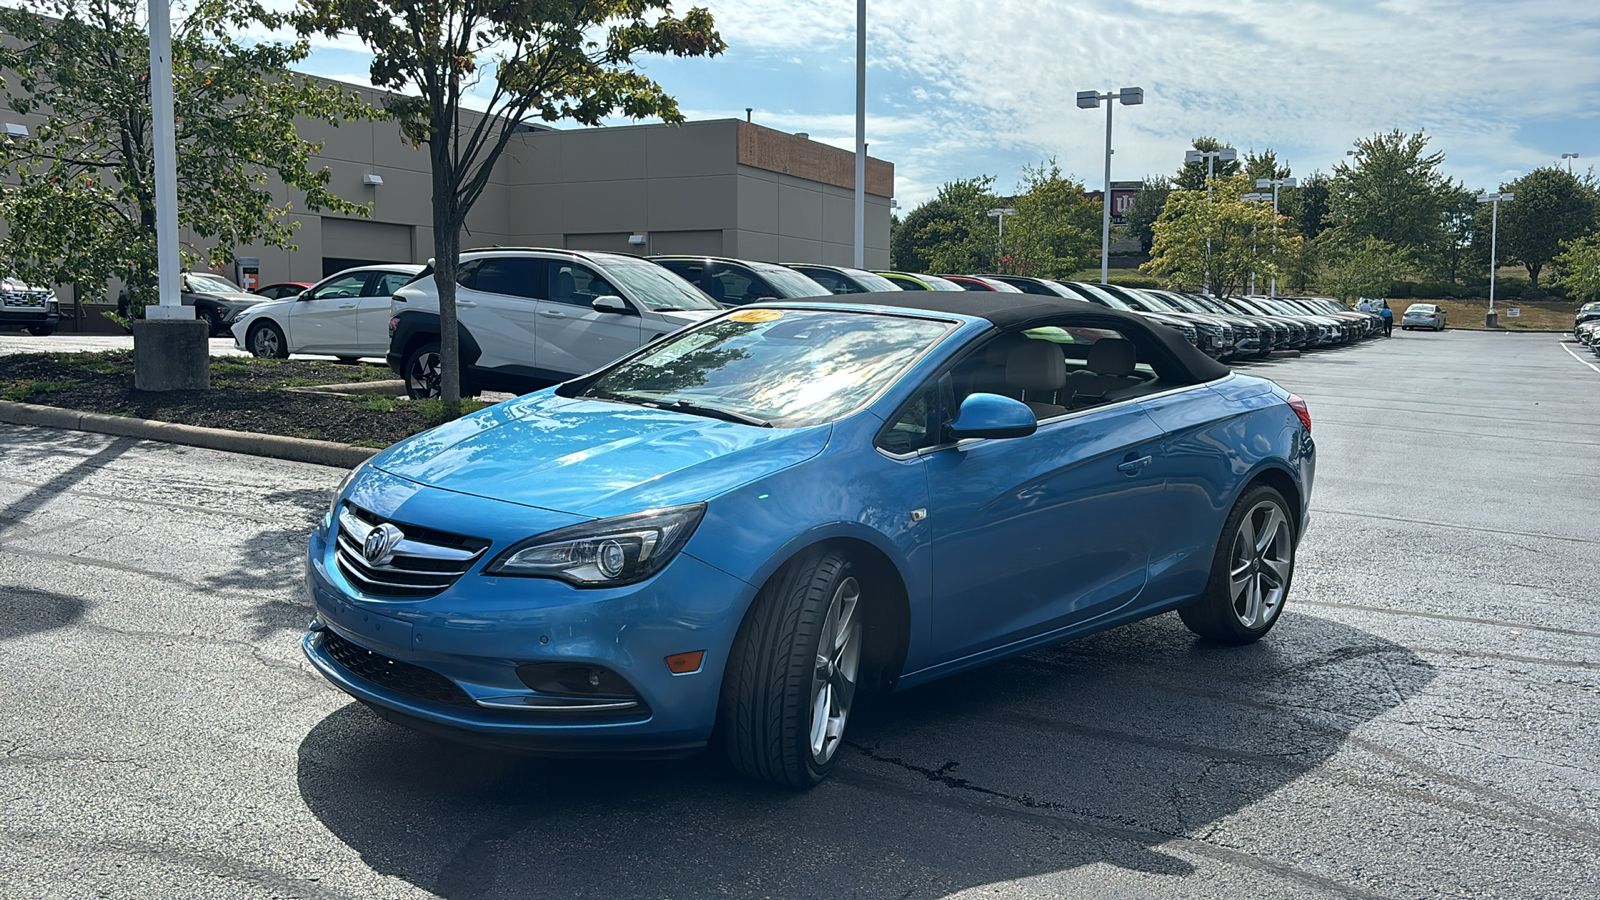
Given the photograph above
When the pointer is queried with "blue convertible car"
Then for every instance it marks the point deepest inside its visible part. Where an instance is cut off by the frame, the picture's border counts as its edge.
(733, 530)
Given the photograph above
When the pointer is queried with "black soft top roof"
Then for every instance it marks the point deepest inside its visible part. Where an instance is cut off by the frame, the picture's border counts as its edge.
(1163, 347)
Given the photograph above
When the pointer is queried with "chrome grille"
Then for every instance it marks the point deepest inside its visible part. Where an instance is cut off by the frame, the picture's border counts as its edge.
(424, 562)
(26, 299)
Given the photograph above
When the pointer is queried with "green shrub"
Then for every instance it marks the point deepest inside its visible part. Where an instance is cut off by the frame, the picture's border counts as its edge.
(1401, 289)
(1433, 290)
(1533, 293)
(1133, 281)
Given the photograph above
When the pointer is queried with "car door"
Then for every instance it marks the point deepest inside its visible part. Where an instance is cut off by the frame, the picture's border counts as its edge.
(372, 312)
(497, 304)
(574, 337)
(324, 319)
(1034, 534)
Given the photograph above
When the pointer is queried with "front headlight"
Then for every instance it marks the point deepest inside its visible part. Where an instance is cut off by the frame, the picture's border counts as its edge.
(333, 505)
(605, 553)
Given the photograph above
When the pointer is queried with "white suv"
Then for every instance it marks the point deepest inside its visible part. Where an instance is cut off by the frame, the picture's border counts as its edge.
(529, 317)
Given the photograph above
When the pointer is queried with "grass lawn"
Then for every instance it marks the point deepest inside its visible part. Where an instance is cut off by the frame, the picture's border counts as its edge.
(1537, 315)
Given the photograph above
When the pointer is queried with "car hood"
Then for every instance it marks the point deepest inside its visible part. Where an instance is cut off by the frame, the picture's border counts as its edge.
(226, 297)
(683, 318)
(593, 458)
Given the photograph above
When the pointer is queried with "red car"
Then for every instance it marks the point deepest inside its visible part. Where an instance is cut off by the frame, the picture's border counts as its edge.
(283, 290)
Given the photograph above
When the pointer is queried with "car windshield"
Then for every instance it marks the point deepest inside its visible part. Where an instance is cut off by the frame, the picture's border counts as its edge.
(871, 281)
(215, 284)
(655, 286)
(788, 368)
(791, 284)
(935, 283)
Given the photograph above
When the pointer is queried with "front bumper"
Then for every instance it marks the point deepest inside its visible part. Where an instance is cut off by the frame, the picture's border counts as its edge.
(472, 637)
(29, 317)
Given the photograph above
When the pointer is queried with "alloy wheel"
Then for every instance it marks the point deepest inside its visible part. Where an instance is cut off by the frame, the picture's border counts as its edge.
(424, 374)
(264, 343)
(833, 681)
(1260, 564)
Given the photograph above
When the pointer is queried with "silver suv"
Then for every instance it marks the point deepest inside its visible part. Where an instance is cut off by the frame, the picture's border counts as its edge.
(530, 317)
(26, 306)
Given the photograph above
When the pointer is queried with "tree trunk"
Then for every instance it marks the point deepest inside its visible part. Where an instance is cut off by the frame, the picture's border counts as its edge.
(1533, 272)
(446, 256)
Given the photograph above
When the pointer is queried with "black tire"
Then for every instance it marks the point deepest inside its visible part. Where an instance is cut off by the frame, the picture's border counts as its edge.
(266, 340)
(422, 371)
(41, 330)
(773, 684)
(212, 319)
(1246, 593)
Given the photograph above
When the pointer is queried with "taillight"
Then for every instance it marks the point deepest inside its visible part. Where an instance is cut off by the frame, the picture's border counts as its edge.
(1299, 407)
(394, 322)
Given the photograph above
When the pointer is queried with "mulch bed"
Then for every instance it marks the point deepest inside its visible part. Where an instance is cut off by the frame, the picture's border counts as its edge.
(246, 394)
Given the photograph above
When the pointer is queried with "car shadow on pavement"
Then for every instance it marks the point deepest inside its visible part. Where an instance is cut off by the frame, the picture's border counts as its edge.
(1095, 751)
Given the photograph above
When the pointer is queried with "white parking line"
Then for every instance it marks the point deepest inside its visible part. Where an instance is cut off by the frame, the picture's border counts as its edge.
(1577, 357)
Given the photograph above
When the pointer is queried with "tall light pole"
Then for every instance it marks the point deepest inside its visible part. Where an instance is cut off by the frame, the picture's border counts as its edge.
(861, 135)
(1492, 319)
(1000, 241)
(166, 167)
(1132, 96)
(1569, 157)
(1226, 154)
(1275, 183)
(1260, 198)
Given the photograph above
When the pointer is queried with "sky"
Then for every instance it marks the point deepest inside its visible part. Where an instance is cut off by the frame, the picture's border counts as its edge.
(961, 88)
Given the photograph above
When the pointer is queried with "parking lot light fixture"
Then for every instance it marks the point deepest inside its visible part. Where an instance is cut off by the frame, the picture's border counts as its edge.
(16, 129)
(1132, 96)
(1275, 183)
(1494, 238)
(1569, 157)
(1000, 241)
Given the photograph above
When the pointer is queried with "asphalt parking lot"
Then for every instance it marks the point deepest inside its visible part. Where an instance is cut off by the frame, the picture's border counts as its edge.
(1423, 722)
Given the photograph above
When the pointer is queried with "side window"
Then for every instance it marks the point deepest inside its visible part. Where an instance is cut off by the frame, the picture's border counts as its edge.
(832, 282)
(387, 283)
(467, 274)
(511, 276)
(578, 285)
(919, 424)
(343, 286)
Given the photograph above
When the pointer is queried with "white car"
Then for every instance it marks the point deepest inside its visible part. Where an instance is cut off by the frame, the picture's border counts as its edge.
(529, 317)
(344, 315)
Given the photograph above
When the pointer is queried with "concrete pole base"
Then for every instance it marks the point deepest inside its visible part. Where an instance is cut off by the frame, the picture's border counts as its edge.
(1492, 320)
(171, 355)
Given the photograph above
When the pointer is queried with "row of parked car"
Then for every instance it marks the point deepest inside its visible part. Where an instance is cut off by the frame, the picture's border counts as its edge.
(532, 316)
(1586, 326)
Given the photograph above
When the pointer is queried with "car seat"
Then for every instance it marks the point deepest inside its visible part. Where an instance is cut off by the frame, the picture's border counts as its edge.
(1038, 370)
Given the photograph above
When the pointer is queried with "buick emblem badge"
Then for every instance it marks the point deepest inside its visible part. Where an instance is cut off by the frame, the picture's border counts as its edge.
(380, 543)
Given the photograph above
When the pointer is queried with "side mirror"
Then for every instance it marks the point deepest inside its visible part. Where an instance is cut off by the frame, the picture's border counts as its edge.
(611, 303)
(303, 295)
(993, 416)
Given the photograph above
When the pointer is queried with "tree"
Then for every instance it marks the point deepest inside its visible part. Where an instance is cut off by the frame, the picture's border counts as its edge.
(1395, 193)
(1056, 230)
(543, 59)
(1551, 207)
(1307, 205)
(1263, 165)
(81, 199)
(950, 233)
(1192, 175)
(1578, 267)
(1460, 236)
(1145, 208)
(1222, 242)
(1364, 268)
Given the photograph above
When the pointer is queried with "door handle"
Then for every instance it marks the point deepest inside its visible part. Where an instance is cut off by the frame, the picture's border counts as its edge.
(465, 304)
(1133, 466)
(552, 314)
(347, 306)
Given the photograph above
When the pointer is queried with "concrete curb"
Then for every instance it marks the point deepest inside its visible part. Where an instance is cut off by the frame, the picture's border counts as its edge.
(322, 453)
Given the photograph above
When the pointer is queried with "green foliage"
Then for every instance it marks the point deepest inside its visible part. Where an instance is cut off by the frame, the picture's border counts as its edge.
(1394, 194)
(1132, 281)
(1145, 208)
(950, 233)
(1220, 243)
(1368, 267)
(1307, 204)
(1264, 165)
(81, 205)
(1192, 175)
(541, 59)
(1551, 207)
(1056, 230)
(1459, 235)
(1578, 268)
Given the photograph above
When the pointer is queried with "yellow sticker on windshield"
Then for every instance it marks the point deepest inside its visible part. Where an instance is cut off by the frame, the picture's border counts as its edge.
(755, 315)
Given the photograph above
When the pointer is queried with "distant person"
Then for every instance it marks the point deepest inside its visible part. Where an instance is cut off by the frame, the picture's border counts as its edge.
(1388, 318)
(1365, 305)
